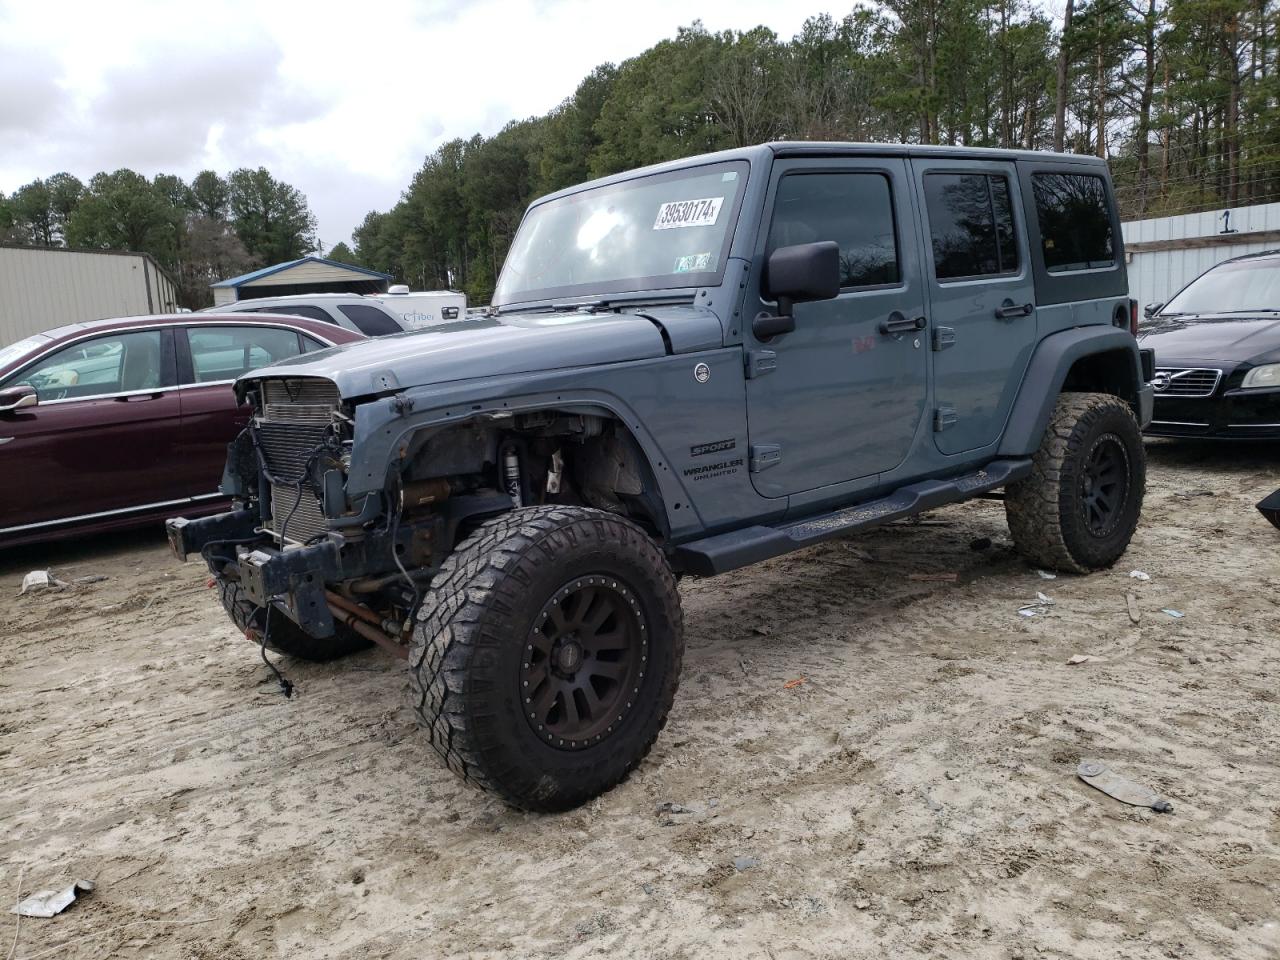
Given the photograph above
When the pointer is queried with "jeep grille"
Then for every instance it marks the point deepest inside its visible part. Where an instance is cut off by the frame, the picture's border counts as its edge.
(295, 416)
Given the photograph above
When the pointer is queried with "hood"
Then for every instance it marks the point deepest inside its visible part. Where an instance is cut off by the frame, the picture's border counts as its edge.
(505, 344)
(1226, 337)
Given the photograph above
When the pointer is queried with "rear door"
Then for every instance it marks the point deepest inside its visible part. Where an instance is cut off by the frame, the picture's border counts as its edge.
(981, 293)
(101, 441)
(841, 396)
(210, 359)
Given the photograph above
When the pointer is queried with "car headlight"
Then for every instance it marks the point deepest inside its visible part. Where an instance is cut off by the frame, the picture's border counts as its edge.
(1267, 375)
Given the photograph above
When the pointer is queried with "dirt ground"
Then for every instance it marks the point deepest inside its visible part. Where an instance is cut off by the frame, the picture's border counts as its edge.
(914, 796)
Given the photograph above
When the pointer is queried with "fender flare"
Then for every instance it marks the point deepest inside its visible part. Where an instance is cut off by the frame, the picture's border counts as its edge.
(1047, 372)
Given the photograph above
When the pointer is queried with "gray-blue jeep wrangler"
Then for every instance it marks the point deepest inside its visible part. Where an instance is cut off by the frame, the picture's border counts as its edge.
(684, 369)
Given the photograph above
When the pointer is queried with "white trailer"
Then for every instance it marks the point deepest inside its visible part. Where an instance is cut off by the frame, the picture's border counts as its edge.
(424, 308)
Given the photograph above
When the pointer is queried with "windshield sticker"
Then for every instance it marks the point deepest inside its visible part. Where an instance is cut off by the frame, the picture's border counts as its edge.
(688, 213)
(694, 263)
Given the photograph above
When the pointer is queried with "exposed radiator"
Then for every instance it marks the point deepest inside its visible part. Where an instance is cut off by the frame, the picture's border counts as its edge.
(295, 416)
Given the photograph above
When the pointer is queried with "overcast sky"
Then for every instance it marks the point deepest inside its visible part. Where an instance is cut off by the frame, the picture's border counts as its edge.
(342, 100)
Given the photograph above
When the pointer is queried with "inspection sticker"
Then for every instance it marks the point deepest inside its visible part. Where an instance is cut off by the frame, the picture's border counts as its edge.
(693, 263)
(688, 213)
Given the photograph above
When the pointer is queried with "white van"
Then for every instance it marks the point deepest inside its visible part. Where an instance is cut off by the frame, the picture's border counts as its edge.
(424, 308)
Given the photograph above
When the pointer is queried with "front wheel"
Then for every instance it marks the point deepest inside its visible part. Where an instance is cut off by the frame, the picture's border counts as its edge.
(1078, 509)
(546, 655)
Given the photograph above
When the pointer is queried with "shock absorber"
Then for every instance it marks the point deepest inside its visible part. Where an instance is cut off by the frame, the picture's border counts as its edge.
(511, 474)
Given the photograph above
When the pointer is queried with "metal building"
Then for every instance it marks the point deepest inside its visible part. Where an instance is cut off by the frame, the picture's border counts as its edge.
(44, 287)
(1166, 253)
(307, 275)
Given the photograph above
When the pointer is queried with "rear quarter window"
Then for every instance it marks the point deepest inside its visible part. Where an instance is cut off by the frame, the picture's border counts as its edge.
(371, 321)
(1075, 221)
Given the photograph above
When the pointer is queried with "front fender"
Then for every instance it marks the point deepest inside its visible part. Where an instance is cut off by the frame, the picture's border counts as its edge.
(384, 427)
(1047, 372)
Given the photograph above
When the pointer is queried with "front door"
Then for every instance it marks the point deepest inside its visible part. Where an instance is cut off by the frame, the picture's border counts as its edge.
(982, 297)
(101, 438)
(841, 396)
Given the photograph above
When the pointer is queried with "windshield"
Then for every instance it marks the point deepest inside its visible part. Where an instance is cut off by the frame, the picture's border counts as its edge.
(1246, 286)
(16, 351)
(660, 231)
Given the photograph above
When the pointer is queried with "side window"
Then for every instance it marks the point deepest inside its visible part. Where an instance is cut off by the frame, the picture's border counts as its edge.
(303, 310)
(225, 352)
(853, 209)
(971, 225)
(310, 343)
(1075, 221)
(103, 365)
(371, 321)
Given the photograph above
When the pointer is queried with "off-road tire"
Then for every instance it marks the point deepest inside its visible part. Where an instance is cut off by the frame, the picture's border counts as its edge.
(285, 636)
(469, 652)
(1047, 511)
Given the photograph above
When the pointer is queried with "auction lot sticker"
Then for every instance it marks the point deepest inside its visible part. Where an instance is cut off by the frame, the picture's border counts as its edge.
(688, 213)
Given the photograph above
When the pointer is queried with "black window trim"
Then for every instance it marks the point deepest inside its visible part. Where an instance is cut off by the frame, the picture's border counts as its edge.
(887, 173)
(1010, 178)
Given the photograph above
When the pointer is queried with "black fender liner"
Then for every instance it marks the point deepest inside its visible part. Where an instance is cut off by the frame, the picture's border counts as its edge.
(1047, 372)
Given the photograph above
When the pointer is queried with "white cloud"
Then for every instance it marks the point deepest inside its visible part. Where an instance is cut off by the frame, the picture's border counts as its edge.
(342, 100)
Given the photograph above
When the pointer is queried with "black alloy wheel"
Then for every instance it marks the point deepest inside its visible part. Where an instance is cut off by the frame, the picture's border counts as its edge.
(1104, 484)
(583, 662)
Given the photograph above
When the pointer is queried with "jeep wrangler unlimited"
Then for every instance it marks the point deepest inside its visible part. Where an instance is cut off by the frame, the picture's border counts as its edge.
(685, 369)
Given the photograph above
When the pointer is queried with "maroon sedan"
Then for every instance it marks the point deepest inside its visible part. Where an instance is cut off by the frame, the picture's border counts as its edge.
(116, 423)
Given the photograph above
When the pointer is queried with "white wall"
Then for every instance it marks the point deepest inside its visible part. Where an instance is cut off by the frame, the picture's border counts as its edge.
(1155, 276)
(41, 289)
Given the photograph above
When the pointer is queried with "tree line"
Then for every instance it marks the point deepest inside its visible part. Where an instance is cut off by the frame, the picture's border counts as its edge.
(1179, 95)
(206, 230)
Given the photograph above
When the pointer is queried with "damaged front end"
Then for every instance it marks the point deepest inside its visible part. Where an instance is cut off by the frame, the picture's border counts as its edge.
(296, 542)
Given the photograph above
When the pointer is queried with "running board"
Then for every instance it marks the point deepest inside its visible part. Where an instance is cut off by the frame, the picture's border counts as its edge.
(739, 548)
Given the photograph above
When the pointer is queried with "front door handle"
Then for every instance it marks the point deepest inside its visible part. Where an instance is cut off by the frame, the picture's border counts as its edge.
(897, 323)
(1011, 311)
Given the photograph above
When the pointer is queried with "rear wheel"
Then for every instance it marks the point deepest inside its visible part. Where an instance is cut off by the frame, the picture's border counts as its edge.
(1078, 509)
(284, 636)
(547, 653)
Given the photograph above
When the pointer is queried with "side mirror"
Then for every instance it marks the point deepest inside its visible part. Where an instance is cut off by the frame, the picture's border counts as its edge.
(1150, 309)
(798, 274)
(17, 398)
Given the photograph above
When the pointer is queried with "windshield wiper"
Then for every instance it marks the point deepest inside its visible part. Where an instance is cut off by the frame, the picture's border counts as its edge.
(1253, 310)
(585, 306)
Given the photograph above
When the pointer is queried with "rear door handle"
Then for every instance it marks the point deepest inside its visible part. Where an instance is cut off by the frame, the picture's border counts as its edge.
(1011, 311)
(897, 323)
(137, 397)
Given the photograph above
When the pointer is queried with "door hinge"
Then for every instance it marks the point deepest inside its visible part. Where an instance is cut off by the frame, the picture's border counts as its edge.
(943, 337)
(763, 456)
(761, 362)
(944, 417)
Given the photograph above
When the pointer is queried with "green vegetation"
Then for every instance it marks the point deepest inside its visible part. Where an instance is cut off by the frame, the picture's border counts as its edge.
(207, 230)
(1180, 96)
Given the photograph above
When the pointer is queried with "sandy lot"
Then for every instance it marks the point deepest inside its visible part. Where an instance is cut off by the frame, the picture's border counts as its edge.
(914, 796)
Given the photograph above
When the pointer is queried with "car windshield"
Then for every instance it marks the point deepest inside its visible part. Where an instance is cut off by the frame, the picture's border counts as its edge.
(660, 231)
(1245, 286)
(16, 351)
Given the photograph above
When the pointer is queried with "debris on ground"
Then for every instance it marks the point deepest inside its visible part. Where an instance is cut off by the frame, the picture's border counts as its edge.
(1085, 658)
(1036, 607)
(1046, 575)
(1099, 776)
(38, 580)
(980, 543)
(668, 807)
(91, 578)
(792, 684)
(1131, 602)
(1139, 575)
(934, 577)
(1198, 492)
(50, 903)
(745, 863)
(1176, 614)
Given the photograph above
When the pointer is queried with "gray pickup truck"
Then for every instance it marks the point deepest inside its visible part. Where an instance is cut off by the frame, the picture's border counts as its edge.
(685, 369)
